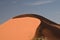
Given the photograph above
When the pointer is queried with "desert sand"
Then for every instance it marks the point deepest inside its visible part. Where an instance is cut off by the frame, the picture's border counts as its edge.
(19, 28)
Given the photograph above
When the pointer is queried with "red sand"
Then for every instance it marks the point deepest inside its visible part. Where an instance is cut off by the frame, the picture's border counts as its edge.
(19, 29)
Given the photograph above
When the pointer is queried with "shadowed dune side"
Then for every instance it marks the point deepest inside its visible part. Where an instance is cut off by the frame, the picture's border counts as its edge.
(29, 26)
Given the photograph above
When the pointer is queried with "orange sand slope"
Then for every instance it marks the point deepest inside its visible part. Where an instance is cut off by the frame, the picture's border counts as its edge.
(19, 29)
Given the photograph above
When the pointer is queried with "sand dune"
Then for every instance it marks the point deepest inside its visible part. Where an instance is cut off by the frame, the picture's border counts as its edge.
(19, 29)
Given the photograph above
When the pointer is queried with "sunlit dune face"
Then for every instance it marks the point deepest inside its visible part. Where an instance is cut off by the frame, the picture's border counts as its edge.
(19, 29)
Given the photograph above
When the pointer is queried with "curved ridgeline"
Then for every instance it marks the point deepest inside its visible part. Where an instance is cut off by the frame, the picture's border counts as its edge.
(46, 30)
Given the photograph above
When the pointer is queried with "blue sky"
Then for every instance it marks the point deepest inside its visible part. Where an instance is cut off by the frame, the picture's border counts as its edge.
(47, 8)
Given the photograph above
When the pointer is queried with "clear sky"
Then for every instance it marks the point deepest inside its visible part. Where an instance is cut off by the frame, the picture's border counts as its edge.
(47, 8)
